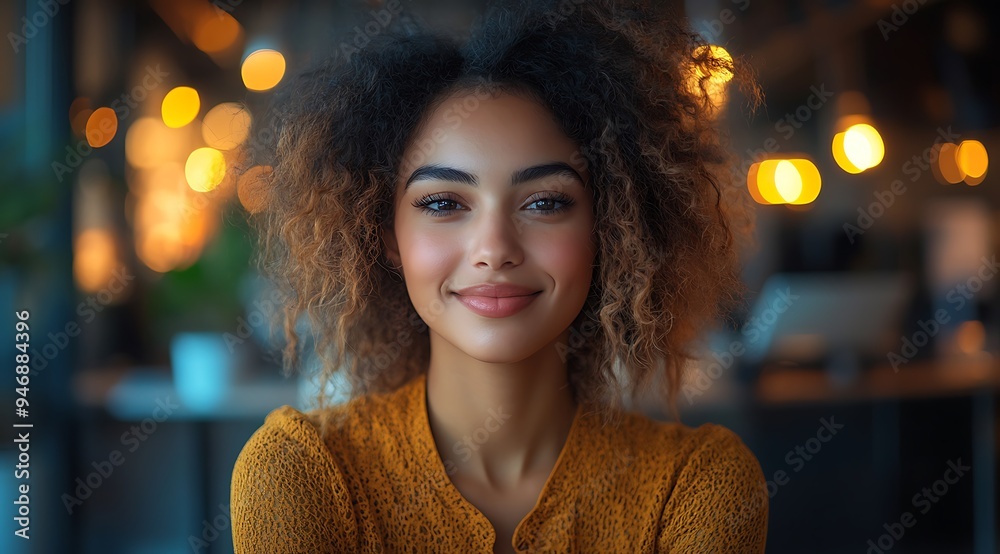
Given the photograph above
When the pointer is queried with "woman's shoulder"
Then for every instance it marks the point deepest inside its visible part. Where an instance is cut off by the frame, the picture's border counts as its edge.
(338, 427)
(714, 488)
(681, 439)
(675, 454)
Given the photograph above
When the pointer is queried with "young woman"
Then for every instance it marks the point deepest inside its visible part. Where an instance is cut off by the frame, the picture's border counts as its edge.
(499, 244)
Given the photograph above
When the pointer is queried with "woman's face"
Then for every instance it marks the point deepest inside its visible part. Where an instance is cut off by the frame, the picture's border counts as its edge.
(487, 194)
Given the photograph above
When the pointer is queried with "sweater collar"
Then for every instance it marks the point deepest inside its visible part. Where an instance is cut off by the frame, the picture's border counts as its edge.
(557, 493)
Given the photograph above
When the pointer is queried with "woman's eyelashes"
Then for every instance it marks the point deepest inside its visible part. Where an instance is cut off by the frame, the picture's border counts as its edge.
(441, 204)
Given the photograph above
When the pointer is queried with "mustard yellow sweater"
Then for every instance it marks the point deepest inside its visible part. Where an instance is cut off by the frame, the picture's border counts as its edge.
(365, 476)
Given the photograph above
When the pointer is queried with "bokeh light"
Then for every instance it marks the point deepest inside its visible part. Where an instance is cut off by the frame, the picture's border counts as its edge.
(226, 126)
(718, 77)
(263, 69)
(205, 169)
(784, 181)
(180, 106)
(95, 257)
(946, 168)
(858, 148)
(102, 125)
(150, 143)
(973, 160)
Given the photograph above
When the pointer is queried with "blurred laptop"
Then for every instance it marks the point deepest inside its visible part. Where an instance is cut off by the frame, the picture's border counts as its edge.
(839, 320)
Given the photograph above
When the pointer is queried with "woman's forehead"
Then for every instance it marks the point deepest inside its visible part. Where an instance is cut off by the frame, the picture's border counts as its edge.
(486, 132)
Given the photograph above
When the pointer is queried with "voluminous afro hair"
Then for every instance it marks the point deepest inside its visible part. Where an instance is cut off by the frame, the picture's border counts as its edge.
(618, 78)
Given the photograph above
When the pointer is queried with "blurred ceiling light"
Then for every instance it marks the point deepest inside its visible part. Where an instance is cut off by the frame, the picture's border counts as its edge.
(205, 169)
(717, 77)
(946, 169)
(784, 181)
(263, 69)
(840, 155)
(973, 161)
(858, 148)
(226, 126)
(180, 106)
(102, 125)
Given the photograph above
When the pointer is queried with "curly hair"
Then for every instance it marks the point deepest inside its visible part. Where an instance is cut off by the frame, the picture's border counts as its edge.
(617, 77)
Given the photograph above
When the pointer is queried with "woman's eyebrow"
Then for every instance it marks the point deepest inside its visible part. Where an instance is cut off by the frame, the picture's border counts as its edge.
(435, 172)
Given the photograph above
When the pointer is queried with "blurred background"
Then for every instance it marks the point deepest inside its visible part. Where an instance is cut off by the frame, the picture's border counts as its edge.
(863, 374)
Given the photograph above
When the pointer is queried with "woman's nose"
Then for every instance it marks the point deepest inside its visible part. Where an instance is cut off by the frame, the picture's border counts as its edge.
(496, 239)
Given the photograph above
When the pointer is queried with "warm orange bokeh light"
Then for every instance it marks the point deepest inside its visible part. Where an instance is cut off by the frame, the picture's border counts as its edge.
(95, 257)
(180, 106)
(946, 167)
(205, 169)
(973, 160)
(102, 125)
(858, 147)
(263, 70)
(226, 126)
(778, 181)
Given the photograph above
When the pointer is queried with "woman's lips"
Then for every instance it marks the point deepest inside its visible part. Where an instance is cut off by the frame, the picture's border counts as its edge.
(490, 306)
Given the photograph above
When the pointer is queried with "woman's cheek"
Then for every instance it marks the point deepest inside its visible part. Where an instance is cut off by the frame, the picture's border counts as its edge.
(428, 258)
(568, 258)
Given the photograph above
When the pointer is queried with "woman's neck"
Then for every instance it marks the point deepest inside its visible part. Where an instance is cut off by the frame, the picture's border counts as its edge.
(498, 423)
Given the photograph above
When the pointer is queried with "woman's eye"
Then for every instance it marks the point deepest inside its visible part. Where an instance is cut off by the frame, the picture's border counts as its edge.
(545, 204)
(548, 204)
(436, 205)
